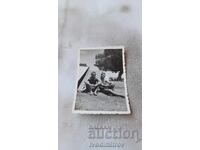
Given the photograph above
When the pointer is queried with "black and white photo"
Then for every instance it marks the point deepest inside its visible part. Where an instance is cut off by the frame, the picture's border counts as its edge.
(101, 82)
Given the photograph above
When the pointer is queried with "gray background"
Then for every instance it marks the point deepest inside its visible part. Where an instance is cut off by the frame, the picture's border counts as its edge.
(97, 23)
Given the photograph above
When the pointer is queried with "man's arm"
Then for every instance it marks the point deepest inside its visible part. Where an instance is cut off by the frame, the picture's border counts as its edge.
(97, 83)
(107, 81)
(87, 82)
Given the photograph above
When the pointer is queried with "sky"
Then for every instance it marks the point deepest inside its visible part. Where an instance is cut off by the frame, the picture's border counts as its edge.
(88, 57)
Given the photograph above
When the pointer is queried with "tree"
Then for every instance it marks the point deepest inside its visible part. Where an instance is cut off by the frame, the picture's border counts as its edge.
(110, 60)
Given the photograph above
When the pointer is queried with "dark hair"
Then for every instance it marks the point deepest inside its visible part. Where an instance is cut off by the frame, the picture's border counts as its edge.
(93, 72)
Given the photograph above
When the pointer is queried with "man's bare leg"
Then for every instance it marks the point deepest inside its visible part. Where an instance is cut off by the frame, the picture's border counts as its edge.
(111, 93)
(96, 90)
(87, 89)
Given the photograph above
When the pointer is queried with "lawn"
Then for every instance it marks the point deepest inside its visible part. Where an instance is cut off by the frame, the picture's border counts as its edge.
(101, 102)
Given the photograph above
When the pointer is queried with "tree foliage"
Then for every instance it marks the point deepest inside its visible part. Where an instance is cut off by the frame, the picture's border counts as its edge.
(110, 60)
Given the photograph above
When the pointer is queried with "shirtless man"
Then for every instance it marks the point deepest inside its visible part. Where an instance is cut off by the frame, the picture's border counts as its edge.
(105, 84)
(107, 87)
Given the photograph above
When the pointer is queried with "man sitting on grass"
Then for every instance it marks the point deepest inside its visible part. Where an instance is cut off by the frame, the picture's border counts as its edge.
(91, 85)
(107, 87)
(105, 84)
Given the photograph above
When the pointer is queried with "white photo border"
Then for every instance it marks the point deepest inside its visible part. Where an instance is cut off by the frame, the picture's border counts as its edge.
(128, 111)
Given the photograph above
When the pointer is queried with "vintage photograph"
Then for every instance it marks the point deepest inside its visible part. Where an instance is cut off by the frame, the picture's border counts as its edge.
(101, 82)
(99, 71)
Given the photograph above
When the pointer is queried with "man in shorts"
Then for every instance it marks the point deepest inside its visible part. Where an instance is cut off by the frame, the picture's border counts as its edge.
(91, 85)
(107, 87)
(104, 83)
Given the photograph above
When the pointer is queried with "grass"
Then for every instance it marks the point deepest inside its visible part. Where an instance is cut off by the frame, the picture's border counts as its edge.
(101, 102)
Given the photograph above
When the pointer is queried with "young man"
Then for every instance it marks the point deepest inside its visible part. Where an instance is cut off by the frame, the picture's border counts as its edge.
(107, 87)
(105, 84)
(91, 84)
